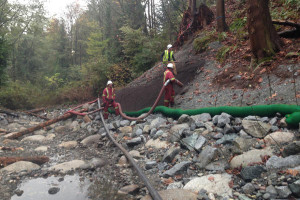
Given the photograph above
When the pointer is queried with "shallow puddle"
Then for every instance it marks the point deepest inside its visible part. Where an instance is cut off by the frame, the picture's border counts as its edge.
(71, 188)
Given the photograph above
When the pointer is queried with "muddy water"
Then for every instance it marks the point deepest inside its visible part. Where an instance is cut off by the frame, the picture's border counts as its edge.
(71, 188)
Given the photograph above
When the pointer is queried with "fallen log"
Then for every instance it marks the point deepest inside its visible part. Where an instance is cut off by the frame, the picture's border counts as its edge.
(42, 125)
(286, 23)
(4, 161)
(295, 33)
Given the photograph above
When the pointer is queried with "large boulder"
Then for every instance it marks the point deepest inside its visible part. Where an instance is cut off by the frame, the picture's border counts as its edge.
(216, 184)
(257, 129)
(279, 138)
(251, 156)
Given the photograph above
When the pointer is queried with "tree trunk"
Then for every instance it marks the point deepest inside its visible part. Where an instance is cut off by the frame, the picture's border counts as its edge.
(221, 23)
(264, 40)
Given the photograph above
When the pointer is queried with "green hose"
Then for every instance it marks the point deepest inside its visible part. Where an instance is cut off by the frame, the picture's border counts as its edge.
(292, 112)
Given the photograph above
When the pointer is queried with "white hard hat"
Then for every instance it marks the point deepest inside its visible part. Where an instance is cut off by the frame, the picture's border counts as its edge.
(109, 82)
(170, 65)
(169, 46)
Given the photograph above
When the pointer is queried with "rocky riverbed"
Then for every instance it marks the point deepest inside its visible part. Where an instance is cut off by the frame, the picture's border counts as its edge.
(198, 157)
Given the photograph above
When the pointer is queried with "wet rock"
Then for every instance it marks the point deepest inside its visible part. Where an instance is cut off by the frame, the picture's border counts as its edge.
(256, 128)
(278, 163)
(126, 129)
(272, 191)
(68, 145)
(226, 139)
(291, 149)
(130, 189)
(68, 166)
(206, 156)
(174, 194)
(249, 173)
(20, 166)
(185, 119)
(53, 190)
(283, 191)
(219, 165)
(41, 148)
(175, 185)
(19, 192)
(250, 157)
(157, 122)
(279, 138)
(178, 168)
(133, 142)
(90, 140)
(199, 143)
(150, 165)
(248, 188)
(34, 138)
(216, 184)
(158, 144)
(124, 123)
(189, 142)
(170, 154)
(204, 117)
(295, 188)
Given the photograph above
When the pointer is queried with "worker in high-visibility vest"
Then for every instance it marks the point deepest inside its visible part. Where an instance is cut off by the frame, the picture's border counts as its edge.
(168, 57)
(169, 90)
(108, 98)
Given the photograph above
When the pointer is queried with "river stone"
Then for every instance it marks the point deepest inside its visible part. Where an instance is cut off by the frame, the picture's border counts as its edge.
(157, 122)
(249, 173)
(41, 148)
(170, 154)
(139, 132)
(176, 169)
(174, 194)
(50, 137)
(40, 132)
(61, 129)
(74, 126)
(96, 162)
(158, 144)
(126, 129)
(34, 138)
(14, 127)
(204, 117)
(250, 157)
(279, 138)
(124, 123)
(291, 149)
(216, 184)
(68, 145)
(150, 165)
(53, 190)
(93, 139)
(279, 163)
(272, 191)
(129, 189)
(68, 166)
(20, 166)
(189, 142)
(248, 188)
(133, 142)
(256, 128)
(206, 156)
(295, 188)
(283, 191)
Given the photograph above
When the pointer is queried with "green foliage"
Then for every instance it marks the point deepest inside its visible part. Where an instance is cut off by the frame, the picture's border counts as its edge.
(54, 82)
(222, 36)
(238, 27)
(200, 44)
(3, 60)
(222, 53)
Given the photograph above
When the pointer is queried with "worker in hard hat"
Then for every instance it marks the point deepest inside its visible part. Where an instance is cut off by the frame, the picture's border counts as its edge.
(168, 57)
(169, 91)
(108, 98)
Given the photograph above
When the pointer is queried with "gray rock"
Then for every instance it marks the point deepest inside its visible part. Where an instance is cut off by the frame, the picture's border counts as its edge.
(157, 122)
(272, 191)
(189, 142)
(215, 119)
(61, 129)
(237, 128)
(175, 185)
(124, 123)
(199, 124)
(223, 119)
(19, 167)
(68, 166)
(150, 165)
(146, 129)
(228, 129)
(96, 163)
(227, 139)
(295, 188)
(177, 131)
(278, 163)
(162, 166)
(139, 132)
(283, 191)
(252, 118)
(266, 196)
(199, 143)
(249, 173)
(204, 117)
(248, 188)
(244, 134)
(178, 168)
(34, 138)
(129, 189)
(90, 140)
(291, 149)
(116, 124)
(279, 138)
(153, 132)
(133, 142)
(219, 165)
(68, 145)
(158, 144)
(170, 154)
(41, 148)
(208, 126)
(206, 156)
(274, 128)
(185, 119)
(217, 135)
(158, 134)
(265, 119)
(273, 121)
(237, 120)
(174, 194)
(53, 190)
(40, 132)
(19, 192)
(256, 128)
(243, 144)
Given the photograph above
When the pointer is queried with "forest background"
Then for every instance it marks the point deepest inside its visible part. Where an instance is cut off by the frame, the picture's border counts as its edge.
(48, 61)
